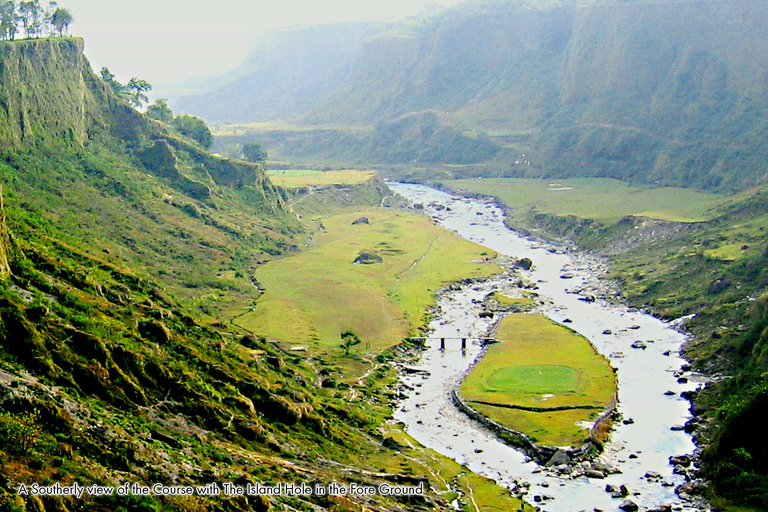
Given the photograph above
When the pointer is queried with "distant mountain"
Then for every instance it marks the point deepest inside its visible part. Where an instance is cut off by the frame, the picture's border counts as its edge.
(666, 92)
(285, 73)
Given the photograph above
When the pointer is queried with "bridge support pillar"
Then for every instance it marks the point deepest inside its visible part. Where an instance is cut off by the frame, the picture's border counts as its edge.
(442, 343)
(463, 343)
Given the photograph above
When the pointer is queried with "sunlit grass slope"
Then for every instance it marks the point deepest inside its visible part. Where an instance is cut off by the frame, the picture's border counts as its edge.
(295, 178)
(314, 296)
(539, 364)
(602, 199)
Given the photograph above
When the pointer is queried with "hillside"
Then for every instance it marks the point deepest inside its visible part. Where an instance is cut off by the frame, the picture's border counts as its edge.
(654, 92)
(284, 74)
(709, 267)
(126, 252)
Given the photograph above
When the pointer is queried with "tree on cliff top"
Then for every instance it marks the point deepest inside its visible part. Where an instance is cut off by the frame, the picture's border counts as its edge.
(60, 20)
(36, 21)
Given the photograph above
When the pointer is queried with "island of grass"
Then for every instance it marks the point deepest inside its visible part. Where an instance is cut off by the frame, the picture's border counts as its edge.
(542, 380)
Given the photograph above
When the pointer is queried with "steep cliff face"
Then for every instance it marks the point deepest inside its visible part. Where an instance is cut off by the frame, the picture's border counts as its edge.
(42, 91)
(668, 92)
(649, 88)
(89, 168)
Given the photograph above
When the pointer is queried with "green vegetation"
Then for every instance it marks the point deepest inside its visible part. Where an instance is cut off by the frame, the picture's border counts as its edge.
(540, 365)
(313, 296)
(297, 178)
(125, 252)
(194, 128)
(715, 269)
(654, 93)
(36, 21)
(253, 152)
(601, 199)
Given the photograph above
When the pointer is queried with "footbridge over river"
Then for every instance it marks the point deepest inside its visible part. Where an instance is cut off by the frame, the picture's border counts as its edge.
(484, 340)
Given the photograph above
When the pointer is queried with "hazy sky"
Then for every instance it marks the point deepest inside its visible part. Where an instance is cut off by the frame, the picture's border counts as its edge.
(169, 40)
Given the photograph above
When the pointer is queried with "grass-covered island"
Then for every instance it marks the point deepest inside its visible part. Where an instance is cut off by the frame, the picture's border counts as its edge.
(542, 380)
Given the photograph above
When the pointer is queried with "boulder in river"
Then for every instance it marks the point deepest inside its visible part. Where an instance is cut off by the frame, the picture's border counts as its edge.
(559, 457)
(524, 263)
(680, 460)
(629, 506)
(639, 344)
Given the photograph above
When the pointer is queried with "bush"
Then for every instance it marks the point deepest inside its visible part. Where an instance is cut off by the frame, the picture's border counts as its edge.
(20, 433)
(194, 128)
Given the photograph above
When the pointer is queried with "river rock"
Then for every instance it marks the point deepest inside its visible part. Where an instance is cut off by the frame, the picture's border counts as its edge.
(617, 492)
(607, 331)
(559, 457)
(524, 263)
(669, 392)
(652, 475)
(677, 427)
(629, 506)
(680, 460)
(593, 473)
(639, 344)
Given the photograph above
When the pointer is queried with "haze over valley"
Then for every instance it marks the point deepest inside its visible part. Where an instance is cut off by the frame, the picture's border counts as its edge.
(257, 279)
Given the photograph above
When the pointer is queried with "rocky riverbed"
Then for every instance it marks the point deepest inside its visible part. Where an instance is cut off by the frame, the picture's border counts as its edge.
(648, 463)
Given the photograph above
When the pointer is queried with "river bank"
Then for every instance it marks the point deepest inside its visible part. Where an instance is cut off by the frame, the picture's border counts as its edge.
(649, 386)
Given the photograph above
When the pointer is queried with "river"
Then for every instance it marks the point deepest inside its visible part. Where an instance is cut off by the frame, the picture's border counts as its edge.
(642, 443)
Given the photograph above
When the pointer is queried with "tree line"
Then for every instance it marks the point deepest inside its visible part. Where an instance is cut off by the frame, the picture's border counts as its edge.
(34, 20)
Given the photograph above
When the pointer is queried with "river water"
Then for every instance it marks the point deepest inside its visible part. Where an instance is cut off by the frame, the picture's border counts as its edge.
(644, 375)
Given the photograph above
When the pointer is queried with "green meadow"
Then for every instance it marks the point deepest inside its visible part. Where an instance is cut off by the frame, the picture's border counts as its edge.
(297, 178)
(313, 296)
(539, 364)
(602, 199)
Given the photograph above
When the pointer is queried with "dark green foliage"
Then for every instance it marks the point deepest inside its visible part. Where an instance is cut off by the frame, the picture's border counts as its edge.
(135, 89)
(111, 81)
(348, 340)
(116, 323)
(19, 433)
(253, 152)
(194, 128)
(160, 111)
(61, 19)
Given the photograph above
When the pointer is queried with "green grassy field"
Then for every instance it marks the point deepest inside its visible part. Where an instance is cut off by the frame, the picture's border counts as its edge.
(601, 199)
(313, 296)
(296, 178)
(541, 364)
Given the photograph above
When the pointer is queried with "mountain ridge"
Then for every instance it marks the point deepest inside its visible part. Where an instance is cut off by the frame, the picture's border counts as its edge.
(654, 92)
